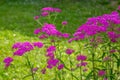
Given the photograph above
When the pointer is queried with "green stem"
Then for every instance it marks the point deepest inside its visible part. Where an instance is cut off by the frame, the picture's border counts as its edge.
(93, 65)
(80, 73)
(60, 58)
(31, 67)
(55, 18)
(71, 67)
(39, 22)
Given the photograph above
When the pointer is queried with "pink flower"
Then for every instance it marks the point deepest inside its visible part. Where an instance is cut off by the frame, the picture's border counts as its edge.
(57, 10)
(23, 48)
(105, 78)
(81, 57)
(51, 49)
(34, 69)
(82, 64)
(43, 36)
(50, 54)
(43, 71)
(49, 29)
(66, 35)
(16, 45)
(44, 13)
(49, 66)
(50, 9)
(8, 61)
(60, 66)
(101, 73)
(69, 51)
(36, 17)
(113, 51)
(38, 44)
(70, 40)
(107, 58)
(64, 23)
(7, 65)
(52, 63)
(37, 31)
(118, 7)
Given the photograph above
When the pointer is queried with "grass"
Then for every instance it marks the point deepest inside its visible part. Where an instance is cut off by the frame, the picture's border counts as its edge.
(17, 23)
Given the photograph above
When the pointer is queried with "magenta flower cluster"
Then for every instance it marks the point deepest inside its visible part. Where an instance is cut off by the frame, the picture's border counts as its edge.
(8, 61)
(69, 51)
(52, 61)
(101, 72)
(82, 59)
(51, 9)
(38, 44)
(37, 31)
(50, 30)
(22, 48)
(97, 25)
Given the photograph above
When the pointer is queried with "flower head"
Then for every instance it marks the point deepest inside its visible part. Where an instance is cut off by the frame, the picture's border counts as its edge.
(82, 64)
(60, 66)
(43, 36)
(34, 69)
(52, 63)
(105, 78)
(50, 54)
(7, 61)
(107, 58)
(81, 57)
(38, 44)
(65, 35)
(64, 23)
(69, 51)
(57, 10)
(49, 29)
(118, 7)
(36, 17)
(43, 71)
(44, 13)
(23, 48)
(51, 49)
(101, 73)
(113, 51)
(50, 9)
(37, 31)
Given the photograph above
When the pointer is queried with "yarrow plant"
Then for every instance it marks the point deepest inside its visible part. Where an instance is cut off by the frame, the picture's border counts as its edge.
(96, 58)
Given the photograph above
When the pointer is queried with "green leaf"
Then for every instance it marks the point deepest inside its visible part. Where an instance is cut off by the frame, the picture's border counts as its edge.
(89, 75)
(118, 62)
(102, 56)
(75, 77)
(115, 56)
(27, 76)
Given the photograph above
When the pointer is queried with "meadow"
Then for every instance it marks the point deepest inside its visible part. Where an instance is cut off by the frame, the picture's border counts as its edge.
(18, 22)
